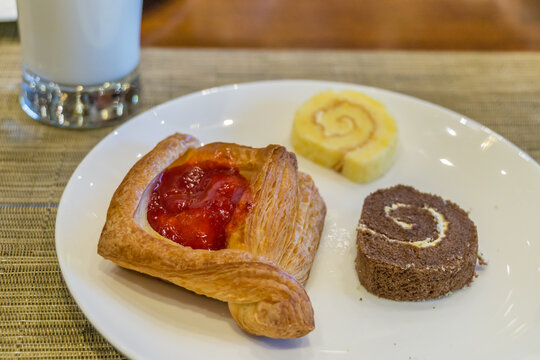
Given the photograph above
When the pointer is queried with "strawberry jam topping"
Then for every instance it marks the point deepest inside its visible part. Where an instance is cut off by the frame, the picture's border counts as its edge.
(193, 204)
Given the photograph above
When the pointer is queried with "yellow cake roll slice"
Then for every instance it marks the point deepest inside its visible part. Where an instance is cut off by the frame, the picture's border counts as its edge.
(348, 132)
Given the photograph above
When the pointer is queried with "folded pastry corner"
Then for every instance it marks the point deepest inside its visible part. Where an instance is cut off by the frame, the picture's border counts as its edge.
(231, 222)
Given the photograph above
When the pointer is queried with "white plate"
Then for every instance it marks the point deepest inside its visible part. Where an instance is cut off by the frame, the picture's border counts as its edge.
(497, 317)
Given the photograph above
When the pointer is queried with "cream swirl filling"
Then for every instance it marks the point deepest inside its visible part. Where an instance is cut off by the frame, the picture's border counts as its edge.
(442, 227)
(343, 125)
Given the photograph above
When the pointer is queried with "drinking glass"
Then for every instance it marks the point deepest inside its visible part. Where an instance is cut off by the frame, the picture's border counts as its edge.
(79, 60)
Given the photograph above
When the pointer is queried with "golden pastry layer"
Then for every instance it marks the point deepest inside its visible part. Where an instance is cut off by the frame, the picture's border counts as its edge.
(268, 255)
(348, 132)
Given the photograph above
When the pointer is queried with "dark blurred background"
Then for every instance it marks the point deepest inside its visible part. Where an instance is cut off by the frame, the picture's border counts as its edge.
(364, 24)
(339, 24)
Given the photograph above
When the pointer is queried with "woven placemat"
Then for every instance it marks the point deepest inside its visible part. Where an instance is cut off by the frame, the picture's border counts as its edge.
(38, 317)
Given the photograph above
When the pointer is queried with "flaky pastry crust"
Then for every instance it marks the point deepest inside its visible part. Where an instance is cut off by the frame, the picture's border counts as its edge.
(268, 257)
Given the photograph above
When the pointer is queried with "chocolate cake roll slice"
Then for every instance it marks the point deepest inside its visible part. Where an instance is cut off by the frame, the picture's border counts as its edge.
(413, 245)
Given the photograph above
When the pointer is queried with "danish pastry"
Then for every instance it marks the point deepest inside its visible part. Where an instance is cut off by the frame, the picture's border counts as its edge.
(413, 245)
(348, 132)
(231, 222)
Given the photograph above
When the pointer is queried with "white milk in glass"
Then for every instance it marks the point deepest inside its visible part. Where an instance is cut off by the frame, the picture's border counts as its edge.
(80, 42)
(79, 60)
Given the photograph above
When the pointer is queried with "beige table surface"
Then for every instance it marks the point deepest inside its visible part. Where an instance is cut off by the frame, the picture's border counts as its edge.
(38, 317)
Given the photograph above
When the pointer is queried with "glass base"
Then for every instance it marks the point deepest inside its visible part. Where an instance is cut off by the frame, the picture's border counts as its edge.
(80, 106)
